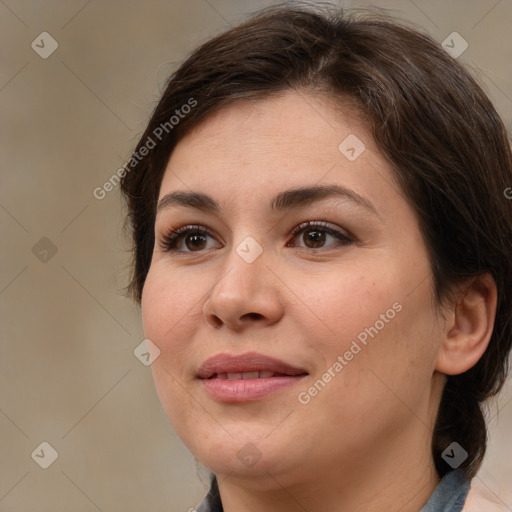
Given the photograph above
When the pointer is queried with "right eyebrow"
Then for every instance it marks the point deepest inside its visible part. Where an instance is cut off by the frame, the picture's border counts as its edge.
(191, 199)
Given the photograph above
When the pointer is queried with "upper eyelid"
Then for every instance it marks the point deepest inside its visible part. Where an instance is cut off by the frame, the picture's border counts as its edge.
(180, 232)
(184, 230)
(327, 226)
(296, 229)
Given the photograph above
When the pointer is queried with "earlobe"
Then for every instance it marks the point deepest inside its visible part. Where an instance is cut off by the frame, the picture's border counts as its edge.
(469, 326)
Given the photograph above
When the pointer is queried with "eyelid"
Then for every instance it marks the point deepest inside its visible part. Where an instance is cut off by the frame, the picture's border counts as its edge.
(172, 236)
(343, 236)
(330, 228)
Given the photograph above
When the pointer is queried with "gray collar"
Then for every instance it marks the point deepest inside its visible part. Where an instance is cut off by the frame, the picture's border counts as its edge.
(450, 494)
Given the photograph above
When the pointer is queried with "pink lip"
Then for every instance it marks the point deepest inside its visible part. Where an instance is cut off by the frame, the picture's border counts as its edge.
(248, 389)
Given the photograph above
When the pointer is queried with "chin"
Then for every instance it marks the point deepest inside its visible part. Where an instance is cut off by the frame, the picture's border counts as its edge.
(239, 457)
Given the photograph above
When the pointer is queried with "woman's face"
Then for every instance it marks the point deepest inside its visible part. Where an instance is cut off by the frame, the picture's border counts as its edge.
(345, 304)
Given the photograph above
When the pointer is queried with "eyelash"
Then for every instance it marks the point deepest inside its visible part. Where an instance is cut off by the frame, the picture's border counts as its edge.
(169, 240)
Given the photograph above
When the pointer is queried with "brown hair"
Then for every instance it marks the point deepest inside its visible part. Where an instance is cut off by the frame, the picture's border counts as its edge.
(447, 146)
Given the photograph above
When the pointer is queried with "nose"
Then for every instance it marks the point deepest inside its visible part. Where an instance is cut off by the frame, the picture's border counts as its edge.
(245, 294)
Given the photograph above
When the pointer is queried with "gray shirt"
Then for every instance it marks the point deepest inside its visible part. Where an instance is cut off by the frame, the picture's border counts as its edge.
(449, 495)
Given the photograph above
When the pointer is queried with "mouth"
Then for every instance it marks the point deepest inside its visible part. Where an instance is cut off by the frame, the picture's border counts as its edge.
(247, 377)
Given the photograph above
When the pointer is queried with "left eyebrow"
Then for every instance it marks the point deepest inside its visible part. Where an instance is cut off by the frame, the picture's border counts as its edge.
(286, 200)
(298, 197)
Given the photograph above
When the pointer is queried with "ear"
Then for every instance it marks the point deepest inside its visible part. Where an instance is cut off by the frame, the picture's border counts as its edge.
(468, 327)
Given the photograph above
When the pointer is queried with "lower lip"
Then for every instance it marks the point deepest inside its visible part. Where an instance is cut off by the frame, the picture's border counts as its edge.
(246, 390)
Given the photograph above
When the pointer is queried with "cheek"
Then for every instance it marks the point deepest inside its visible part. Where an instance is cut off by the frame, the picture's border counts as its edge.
(170, 315)
(168, 320)
(169, 305)
(371, 319)
(339, 305)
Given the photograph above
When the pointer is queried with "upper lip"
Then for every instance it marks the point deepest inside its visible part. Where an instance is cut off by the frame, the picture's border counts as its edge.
(248, 362)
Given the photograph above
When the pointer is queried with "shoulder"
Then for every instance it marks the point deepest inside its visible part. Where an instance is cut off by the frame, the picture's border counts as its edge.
(481, 499)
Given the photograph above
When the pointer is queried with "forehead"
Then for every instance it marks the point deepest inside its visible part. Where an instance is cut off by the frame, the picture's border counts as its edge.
(258, 148)
(287, 120)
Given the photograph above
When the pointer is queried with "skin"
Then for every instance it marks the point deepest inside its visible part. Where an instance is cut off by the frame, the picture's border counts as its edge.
(364, 441)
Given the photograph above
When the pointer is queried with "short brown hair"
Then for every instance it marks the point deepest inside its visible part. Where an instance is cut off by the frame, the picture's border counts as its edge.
(445, 143)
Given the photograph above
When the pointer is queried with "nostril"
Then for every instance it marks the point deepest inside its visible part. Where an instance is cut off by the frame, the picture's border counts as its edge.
(216, 320)
(255, 316)
(213, 320)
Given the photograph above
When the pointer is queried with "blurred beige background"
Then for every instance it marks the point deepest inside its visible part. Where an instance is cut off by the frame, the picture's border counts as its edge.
(68, 374)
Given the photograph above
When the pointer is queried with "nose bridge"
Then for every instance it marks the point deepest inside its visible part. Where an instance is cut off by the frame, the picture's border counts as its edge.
(245, 288)
(244, 267)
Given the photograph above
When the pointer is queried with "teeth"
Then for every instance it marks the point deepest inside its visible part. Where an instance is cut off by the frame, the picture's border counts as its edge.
(245, 375)
(250, 375)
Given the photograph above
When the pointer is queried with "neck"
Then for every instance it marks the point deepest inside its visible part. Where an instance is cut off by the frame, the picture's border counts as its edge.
(399, 478)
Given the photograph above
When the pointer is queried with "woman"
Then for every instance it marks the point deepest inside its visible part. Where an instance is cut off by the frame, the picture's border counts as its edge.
(322, 256)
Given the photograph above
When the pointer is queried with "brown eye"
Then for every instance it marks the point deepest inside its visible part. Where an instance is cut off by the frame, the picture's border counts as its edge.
(314, 238)
(186, 239)
(195, 242)
(316, 234)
